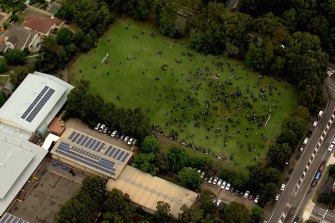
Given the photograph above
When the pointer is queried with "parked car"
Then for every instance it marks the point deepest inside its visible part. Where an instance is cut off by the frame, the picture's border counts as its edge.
(330, 147)
(322, 166)
(114, 133)
(210, 180)
(314, 183)
(306, 141)
(97, 126)
(218, 202)
(202, 175)
(130, 141)
(126, 139)
(122, 136)
(277, 197)
(318, 175)
(215, 180)
(237, 192)
(206, 178)
(309, 133)
(219, 183)
(282, 187)
(320, 114)
(105, 130)
(241, 194)
(232, 190)
(223, 185)
(251, 197)
(102, 127)
(315, 123)
(246, 194)
(227, 186)
(256, 199)
(333, 142)
(134, 142)
(109, 132)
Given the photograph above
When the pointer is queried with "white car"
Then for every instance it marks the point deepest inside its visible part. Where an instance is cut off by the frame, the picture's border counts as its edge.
(256, 199)
(114, 133)
(130, 141)
(126, 139)
(210, 180)
(97, 126)
(320, 114)
(306, 141)
(333, 142)
(202, 175)
(102, 127)
(215, 181)
(315, 123)
(246, 194)
(227, 186)
(219, 183)
(277, 197)
(218, 202)
(330, 147)
(282, 187)
(223, 185)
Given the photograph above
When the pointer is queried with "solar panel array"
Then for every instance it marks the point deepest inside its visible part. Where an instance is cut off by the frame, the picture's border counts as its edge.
(85, 157)
(116, 153)
(38, 104)
(86, 141)
(8, 218)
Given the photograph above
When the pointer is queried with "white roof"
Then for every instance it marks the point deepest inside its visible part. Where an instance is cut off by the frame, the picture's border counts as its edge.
(32, 86)
(18, 160)
(48, 141)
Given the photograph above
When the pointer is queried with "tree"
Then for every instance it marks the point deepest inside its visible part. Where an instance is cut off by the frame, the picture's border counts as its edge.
(146, 163)
(278, 155)
(139, 9)
(256, 214)
(118, 205)
(3, 68)
(52, 56)
(266, 193)
(178, 159)
(149, 145)
(3, 99)
(206, 199)
(288, 137)
(18, 75)
(325, 198)
(162, 213)
(189, 178)
(15, 57)
(193, 214)
(236, 213)
(64, 37)
(331, 171)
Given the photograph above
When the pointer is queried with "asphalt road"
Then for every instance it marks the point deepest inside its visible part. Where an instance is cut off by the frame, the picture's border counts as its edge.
(298, 190)
(321, 213)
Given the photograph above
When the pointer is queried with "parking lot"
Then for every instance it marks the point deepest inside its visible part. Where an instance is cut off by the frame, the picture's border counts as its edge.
(77, 124)
(42, 196)
(227, 196)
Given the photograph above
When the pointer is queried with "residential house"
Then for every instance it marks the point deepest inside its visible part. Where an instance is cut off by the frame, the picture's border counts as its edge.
(42, 25)
(4, 17)
(18, 37)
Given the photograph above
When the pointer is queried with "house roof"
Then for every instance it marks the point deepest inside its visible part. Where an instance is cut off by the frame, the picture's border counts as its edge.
(18, 160)
(40, 24)
(19, 36)
(36, 101)
(146, 190)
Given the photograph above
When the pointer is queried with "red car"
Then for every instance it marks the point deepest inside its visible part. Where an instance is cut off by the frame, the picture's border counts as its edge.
(322, 167)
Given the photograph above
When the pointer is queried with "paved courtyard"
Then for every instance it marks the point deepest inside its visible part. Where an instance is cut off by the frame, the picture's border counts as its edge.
(53, 187)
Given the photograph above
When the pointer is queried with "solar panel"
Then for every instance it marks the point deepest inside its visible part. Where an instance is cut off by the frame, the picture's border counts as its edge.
(125, 157)
(100, 147)
(81, 138)
(111, 152)
(96, 145)
(93, 142)
(116, 153)
(121, 154)
(15, 220)
(88, 142)
(72, 134)
(108, 149)
(34, 102)
(40, 105)
(83, 142)
(76, 137)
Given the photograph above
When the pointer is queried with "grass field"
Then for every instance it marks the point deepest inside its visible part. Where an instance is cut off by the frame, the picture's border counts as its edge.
(213, 102)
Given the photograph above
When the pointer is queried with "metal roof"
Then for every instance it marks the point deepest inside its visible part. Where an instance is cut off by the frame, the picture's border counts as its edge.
(91, 152)
(36, 101)
(146, 190)
(18, 160)
(9, 218)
